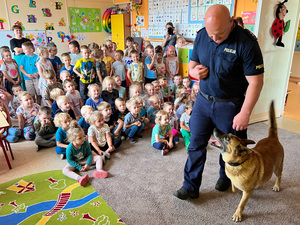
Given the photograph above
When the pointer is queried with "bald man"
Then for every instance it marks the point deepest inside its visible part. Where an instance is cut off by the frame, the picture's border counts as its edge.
(228, 63)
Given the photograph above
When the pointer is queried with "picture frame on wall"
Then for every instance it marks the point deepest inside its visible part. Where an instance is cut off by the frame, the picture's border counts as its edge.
(138, 2)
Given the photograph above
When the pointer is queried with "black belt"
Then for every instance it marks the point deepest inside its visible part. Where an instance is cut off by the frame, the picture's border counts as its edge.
(216, 99)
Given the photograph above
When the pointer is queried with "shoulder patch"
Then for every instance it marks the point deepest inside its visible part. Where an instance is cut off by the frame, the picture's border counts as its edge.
(250, 34)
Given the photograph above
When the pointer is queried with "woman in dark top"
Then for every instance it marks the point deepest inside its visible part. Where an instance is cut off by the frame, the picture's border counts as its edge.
(16, 47)
(170, 38)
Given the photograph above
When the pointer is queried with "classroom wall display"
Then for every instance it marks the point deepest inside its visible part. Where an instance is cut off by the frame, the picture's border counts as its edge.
(2, 21)
(249, 20)
(85, 20)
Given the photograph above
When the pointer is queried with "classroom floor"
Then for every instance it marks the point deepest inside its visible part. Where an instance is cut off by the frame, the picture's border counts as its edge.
(292, 108)
(29, 161)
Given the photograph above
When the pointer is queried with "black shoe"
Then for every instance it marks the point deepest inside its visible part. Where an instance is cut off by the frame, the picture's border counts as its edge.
(184, 194)
(38, 147)
(139, 136)
(222, 184)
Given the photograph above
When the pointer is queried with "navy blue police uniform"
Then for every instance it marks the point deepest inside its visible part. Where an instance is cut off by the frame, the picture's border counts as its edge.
(221, 94)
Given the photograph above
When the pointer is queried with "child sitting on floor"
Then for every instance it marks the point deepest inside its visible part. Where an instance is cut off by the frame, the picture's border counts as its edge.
(44, 129)
(84, 122)
(74, 97)
(80, 157)
(162, 138)
(153, 109)
(63, 104)
(54, 94)
(94, 92)
(169, 108)
(15, 102)
(184, 123)
(62, 121)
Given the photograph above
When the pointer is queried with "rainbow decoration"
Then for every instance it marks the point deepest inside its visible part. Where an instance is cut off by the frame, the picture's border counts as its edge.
(106, 20)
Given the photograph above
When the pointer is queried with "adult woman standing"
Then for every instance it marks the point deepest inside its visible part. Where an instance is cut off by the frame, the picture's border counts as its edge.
(170, 38)
(16, 47)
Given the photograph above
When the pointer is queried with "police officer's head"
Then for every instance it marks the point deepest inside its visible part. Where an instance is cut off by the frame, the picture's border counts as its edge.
(218, 23)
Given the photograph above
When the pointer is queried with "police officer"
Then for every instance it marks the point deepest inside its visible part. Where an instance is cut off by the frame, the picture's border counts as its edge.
(228, 61)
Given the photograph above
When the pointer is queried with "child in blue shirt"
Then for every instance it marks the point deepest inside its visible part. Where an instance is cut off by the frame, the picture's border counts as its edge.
(94, 92)
(67, 64)
(56, 62)
(84, 122)
(150, 66)
(153, 109)
(54, 94)
(62, 121)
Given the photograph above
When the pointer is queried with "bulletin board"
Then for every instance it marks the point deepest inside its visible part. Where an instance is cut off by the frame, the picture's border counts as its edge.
(186, 15)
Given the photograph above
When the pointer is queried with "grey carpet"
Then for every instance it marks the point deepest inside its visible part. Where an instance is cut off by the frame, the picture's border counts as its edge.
(141, 183)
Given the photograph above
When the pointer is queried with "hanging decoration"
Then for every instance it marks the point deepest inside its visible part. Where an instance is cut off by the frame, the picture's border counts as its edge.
(2, 21)
(47, 12)
(49, 26)
(58, 5)
(279, 27)
(32, 4)
(62, 22)
(20, 24)
(106, 20)
(31, 18)
(15, 9)
(62, 36)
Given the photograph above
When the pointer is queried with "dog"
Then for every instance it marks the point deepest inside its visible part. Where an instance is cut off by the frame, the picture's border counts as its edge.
(250, 168)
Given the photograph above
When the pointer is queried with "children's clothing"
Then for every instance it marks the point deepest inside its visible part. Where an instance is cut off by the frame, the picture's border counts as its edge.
(160, 68)
(70, 112)
(92, 103)
(12, 70)
(45, 136)
(42, 81)
(120, 69)
(102, 67)
(185, 134)
(54, 108)
(75, 99)
(136, 69)
(108, 63)
(134, 130)
(150, 74)
(56, 62)
(146, 101)
(100, 135)
(110, 97)
(167, 93)
(151, 112)
(13, 105)
(75, 58)
(121, 91)
(163, 134)
(172, 67)
(70, 70)
(174, 119)
(61, 136)
(84, 125)
(49, 88)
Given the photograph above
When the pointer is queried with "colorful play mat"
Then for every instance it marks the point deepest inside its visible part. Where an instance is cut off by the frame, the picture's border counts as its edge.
(52, 198)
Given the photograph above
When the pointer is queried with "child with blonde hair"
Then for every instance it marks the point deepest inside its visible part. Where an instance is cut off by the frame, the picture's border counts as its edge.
(172, 65)
(177, 82)
(132, 122)
(54, 94)
(94, 96)
(127, 56)
(119, 67)
(135, 89)
(110, 49)
(195, 90)
(107, 59)
(80, 157)
(43, 64)
(65, 75)
(64, 105)
(99, 136)
(160, 66)
(62, 121)
(169, 108)
(181, 89)
(143, 115)
(66, 58)
(166, 90)
(26, 113)
(121, 90)
(10, 70)
(74, 97)
(149, 89)
(162, 138)
(158, 91)
(184, 123)
(84, 122)
(150, 65)
(51, 84)
(136, 68)
(154, 108)
(182, 99)
(109, 93)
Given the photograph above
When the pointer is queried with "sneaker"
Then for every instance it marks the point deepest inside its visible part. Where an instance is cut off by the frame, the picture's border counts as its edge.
(164, 151)
(184, 194)
(107, 155)
(139, 136)
(103, 158)
(83, 180)
(100, 174)
(123, 138)
(222, 184)
(131, 140)
(62, 156)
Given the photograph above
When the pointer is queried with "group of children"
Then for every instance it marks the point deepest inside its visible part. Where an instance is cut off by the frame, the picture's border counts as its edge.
(97, 99)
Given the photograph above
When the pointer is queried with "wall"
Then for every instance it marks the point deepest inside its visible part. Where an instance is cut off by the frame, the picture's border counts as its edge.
(24, 10)
(295, 71)
(277, 60)
(244, 5)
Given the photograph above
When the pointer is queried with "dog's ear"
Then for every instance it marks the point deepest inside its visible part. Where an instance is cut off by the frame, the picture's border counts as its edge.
(244, 150)
(248, 142)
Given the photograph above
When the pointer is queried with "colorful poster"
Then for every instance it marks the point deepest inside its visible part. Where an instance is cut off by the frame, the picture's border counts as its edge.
(85, 20)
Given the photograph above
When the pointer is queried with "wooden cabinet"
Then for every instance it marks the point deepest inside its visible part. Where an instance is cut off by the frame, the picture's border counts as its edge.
(120, 29)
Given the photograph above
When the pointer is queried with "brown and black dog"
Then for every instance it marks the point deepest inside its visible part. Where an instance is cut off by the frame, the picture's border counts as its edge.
(250, 168)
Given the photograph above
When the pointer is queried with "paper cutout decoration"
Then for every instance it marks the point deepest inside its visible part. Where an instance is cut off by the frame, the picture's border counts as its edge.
(62, 22)
(2, 21)
(31, 18)
(15, 9)
(32, 4)
(20, 24)
(49, 27)
(47, 12)
(49, 39)
(58, 5)
(62, 36)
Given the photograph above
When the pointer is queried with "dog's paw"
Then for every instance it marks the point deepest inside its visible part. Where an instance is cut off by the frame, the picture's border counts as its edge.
(276, 188)
(237, 217)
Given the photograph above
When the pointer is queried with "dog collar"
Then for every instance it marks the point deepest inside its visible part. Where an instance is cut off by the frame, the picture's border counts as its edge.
(236, 164)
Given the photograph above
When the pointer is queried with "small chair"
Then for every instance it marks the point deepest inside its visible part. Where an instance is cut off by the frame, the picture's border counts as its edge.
(5, 145)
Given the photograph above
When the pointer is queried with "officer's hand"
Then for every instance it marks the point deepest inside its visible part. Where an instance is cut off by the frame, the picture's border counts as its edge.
(199, 72)
(240, 122)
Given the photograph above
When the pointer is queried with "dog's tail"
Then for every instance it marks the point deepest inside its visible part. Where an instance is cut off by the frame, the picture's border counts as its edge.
(273, 124)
